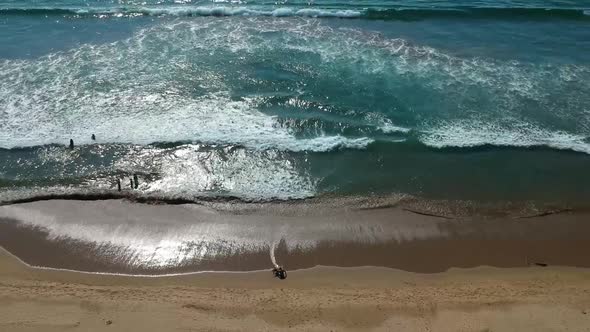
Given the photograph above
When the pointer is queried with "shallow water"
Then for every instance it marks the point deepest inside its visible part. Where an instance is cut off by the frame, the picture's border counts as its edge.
(257, 100)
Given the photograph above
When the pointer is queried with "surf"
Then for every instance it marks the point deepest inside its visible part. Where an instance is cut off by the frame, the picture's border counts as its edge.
(286, 107)
(395, 14)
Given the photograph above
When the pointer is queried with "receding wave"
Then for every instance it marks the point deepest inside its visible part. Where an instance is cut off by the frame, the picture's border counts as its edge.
(370, 14)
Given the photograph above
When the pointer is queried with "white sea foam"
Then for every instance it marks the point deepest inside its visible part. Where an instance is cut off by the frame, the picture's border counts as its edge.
(223, 11)
(466, 133)
(114, 92)
(504, 89)
(389, 128)
(188, 172)
(386, 125)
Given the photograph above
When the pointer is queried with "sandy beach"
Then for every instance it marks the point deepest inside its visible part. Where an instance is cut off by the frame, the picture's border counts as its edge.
(431, 267)
(302, 165)
(318, 299)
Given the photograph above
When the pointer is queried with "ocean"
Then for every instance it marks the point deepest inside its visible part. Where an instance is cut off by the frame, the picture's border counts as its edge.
(280, 100)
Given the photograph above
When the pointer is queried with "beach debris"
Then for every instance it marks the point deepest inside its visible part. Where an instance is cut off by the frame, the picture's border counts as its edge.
(428, 214)
(71, 144)
(118, 184)
(541, 264)
(93, 137)
(196, 307)
(135, 180)
(585, 312)
(279, 272)
(109, 322)
(546, 213)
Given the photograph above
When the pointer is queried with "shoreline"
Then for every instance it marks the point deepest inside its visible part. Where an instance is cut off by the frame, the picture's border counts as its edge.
(317, 299)
(308, 270)
(121, 237)
(12, 268)
(456, 208)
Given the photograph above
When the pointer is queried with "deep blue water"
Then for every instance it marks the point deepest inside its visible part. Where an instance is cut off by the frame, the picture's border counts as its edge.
(475, 100)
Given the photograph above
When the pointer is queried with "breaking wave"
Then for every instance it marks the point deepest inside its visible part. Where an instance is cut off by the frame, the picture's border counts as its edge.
(468, 134)
(406, 14)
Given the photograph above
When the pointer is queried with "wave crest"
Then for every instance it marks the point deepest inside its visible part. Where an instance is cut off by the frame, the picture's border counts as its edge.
(466, 134)
(406, 14)
(186, 11)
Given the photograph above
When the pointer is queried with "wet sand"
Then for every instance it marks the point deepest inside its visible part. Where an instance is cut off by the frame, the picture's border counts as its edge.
(118, 236)
(124, 237)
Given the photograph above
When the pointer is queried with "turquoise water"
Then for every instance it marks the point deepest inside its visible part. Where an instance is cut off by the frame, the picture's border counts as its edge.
(484, 100)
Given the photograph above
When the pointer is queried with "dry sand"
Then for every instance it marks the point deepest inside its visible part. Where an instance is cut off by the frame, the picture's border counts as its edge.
(318, 299)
